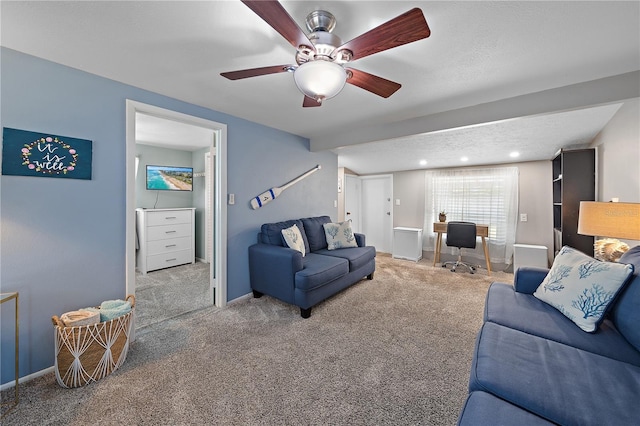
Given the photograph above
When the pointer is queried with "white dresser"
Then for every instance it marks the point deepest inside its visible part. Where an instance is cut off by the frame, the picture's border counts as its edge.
(407, 243)
(166, 237)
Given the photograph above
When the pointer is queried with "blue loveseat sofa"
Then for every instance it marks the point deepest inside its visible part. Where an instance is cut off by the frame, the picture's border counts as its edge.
(283, 273)
(534, 366)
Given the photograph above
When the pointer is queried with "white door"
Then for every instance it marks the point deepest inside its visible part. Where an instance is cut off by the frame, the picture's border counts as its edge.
(352, 201)
(377, 211)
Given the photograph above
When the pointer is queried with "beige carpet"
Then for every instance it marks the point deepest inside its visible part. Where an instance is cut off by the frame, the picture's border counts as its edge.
(395, 350)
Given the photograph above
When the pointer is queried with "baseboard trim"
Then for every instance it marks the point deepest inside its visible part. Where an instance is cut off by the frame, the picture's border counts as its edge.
(240, 299)
(25, 379)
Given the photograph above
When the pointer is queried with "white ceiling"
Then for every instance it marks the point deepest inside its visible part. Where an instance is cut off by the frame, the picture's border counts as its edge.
(478, 53)
(156, 131)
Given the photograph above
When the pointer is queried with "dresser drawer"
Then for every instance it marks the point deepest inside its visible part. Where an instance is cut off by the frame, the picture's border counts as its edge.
(166, 260)
(155, 233)
(169, 245)
(168, 217)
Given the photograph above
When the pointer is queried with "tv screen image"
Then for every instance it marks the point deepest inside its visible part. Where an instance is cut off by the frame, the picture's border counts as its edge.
(169, 178)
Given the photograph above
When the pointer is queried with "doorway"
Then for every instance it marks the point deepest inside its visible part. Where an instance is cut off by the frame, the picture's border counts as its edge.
(377, 211)
(215, 178)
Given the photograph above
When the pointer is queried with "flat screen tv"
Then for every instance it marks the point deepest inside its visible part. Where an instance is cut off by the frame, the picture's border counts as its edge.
(169, 178)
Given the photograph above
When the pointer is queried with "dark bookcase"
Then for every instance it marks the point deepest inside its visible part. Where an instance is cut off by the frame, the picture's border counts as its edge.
(574, 180)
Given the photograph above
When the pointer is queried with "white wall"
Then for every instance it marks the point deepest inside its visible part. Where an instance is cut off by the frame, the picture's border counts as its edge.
(408, 187)
(618, 147)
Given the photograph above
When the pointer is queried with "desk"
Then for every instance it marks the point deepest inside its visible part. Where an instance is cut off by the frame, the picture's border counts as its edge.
(482, 231)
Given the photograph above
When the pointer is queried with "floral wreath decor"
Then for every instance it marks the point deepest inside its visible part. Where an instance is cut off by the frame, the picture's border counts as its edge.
(51, 160)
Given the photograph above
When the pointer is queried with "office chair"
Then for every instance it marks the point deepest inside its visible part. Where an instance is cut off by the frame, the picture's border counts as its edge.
(461, 235)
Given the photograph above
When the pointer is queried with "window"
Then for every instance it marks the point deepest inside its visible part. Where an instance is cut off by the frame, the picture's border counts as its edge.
(483, 196)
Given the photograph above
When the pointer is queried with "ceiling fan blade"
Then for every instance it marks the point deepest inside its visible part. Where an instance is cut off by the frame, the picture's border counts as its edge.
(310, 102)
(374, 84)
(409, 27)
(272, 12)
(254, 72)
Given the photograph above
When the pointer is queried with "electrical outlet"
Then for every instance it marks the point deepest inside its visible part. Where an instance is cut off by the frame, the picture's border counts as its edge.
(523, 217)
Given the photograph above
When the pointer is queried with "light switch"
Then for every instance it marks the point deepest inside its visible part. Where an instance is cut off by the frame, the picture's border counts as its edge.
(335, 203)
(523, 217)
(232, 199)
(397, 201)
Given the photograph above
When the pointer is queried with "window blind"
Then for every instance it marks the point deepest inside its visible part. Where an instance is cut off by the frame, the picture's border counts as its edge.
(483, 196)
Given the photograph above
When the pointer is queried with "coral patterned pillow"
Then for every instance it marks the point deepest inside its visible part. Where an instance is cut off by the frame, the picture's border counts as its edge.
(339, 235)
(581, 287)
(293, 237)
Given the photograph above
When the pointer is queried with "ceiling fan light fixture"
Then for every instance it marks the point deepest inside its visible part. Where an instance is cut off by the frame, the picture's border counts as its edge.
(320, 79)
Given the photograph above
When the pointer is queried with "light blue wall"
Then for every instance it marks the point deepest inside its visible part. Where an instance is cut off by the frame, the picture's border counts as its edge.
(62, 243)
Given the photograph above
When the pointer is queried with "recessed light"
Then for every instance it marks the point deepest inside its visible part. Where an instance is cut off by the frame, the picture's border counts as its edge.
(423, 162)
(514, 154)
(464, 159)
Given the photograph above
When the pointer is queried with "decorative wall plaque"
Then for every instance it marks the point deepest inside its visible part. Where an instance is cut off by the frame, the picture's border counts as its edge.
(27, 153)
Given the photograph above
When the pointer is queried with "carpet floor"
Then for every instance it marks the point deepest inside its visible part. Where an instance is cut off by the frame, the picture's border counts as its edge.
(171, 292)
(394, 350)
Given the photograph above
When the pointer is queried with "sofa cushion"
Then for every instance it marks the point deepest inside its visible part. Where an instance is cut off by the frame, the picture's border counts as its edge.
(293, 239)
(319, 270)
(625, 313)
(632, 257)
(315, 232)
(357, 256)
(581, 287)
(561, 383)
(484, 409)
(527, 279)
(339, 235)
(271, 233)
(524, 312)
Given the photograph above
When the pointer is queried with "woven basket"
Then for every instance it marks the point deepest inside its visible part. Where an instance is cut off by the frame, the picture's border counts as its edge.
(88, 353)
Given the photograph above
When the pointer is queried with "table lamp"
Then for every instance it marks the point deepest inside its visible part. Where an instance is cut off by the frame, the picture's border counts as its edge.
(612, 220)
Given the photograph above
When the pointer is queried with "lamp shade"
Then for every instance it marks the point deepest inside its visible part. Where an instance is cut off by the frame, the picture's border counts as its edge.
(614, 220)
(320, 79)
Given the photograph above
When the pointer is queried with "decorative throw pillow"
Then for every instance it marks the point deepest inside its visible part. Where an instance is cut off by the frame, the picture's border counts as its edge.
(581, 287)
(293, 238)
(339, 235)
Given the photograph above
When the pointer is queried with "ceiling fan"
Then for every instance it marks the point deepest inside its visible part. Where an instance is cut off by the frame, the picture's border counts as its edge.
(321, 58)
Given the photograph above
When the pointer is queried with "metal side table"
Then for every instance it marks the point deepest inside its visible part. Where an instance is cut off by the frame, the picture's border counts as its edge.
(5, 297)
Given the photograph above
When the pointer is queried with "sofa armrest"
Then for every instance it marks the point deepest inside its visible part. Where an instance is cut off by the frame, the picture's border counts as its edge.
(360, 239)
(272, 270)
(527, 279)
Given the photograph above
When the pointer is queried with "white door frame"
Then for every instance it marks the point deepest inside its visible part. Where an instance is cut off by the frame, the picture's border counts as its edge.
(350, 198)
(218, 279)
(208, 214)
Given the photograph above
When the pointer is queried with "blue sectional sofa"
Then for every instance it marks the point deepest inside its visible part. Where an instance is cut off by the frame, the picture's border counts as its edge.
(534, 366)
(283, 273)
